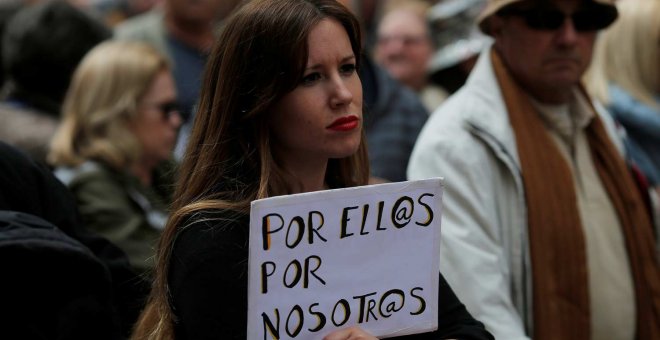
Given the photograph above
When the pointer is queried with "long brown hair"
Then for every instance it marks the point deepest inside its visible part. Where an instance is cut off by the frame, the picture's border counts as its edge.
(260, 56)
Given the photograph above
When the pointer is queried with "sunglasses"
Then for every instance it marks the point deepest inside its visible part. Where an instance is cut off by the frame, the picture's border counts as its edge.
(543, 18)
(168, 109)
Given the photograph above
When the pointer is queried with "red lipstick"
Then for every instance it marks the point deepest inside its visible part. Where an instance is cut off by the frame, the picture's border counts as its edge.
(344, 123)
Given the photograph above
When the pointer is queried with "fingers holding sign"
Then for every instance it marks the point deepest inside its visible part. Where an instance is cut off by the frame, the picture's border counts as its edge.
(352, 333)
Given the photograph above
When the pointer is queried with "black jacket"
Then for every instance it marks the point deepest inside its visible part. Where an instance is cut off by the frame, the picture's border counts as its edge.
(53, 287)
(30, 188)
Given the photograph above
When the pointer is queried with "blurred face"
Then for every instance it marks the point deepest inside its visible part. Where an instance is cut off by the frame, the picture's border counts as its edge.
(404, 47)
(200, 11)
(140, 6)
(158, 120)
(547, 62)
(322, 117)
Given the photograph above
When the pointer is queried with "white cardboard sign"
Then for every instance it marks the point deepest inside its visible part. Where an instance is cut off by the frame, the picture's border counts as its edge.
(328, 260)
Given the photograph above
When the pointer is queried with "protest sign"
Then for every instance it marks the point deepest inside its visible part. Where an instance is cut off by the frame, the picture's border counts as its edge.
(327, 260)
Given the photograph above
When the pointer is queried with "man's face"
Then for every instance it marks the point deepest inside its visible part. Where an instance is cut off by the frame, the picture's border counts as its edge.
(364, 10)
(201, 11)
(404, 47)
(347, 3)
(545, 61)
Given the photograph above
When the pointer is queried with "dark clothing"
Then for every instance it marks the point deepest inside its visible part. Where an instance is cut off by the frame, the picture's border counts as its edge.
(208, 284)
(188, 72)
(28, 187)
(53, 287)
(393, 117)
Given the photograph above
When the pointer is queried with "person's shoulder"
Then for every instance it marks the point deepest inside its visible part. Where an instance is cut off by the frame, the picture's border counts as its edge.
(209, 236)
(454, 134)
(87, 172)
(12, 158)
(221, 218)
(619, 98)
(452, 118)
(211, 226)
(27, 119)
(624, 107)
(27, 129)
(140, 26)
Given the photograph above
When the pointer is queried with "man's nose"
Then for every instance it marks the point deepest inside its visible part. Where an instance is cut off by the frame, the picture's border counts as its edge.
(567, 35)
(392, 44)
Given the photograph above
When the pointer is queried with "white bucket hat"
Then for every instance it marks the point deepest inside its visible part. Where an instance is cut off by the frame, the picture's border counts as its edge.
(494, 6)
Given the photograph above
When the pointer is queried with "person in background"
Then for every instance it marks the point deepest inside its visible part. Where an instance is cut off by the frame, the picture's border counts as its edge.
(625, 76)
(120, 122)
(7, 10)
(545, 234)
(458, 39)
(114, 12)
(184, 31)
(394, 114)
(294, 124)
(41, 47)
(404, 48)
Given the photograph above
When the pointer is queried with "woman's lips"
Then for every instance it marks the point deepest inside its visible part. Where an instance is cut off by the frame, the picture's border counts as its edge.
(344, 123)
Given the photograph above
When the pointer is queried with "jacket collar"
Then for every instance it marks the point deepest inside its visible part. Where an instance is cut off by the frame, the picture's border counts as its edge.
(490, 116)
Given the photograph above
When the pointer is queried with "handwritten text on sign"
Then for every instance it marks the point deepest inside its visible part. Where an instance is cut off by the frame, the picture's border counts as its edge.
(364, 256)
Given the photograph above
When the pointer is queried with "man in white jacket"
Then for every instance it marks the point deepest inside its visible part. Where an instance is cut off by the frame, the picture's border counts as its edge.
(545, 234)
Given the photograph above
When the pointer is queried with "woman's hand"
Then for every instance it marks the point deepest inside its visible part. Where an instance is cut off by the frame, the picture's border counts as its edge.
(353, 333)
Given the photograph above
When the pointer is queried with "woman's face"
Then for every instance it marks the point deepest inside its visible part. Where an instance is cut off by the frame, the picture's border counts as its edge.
(157, 122)
(322, 117)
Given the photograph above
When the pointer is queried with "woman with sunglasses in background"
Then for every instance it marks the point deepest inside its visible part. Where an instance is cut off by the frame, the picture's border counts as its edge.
(120, 123)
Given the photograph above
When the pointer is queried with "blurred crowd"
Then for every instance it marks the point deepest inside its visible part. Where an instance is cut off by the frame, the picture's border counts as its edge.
(97, 103)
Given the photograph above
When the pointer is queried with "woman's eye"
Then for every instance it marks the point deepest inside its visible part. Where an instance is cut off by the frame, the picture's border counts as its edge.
(347, 69)
(310, 78)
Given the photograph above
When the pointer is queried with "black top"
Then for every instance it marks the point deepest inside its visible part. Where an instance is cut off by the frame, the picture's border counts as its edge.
(208, 284)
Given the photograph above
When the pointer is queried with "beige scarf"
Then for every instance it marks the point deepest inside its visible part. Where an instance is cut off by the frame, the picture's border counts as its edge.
(557, 244)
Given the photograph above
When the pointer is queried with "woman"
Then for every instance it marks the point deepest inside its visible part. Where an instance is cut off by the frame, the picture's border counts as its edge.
(280, 113)
(625, 76)
(119, 125)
